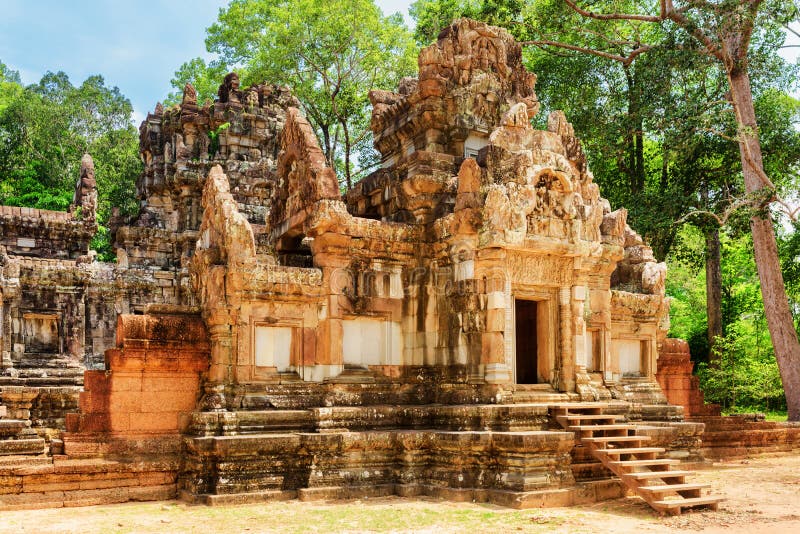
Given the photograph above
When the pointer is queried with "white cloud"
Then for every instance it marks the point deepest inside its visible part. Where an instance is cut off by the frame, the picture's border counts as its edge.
(137, 117)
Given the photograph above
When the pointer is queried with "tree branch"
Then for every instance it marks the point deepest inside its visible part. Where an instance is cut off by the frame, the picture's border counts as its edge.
(677, 16)
(614, 16)
(625, 60)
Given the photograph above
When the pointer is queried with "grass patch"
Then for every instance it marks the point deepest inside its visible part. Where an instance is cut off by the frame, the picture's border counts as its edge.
(378, 515)
(777, 416)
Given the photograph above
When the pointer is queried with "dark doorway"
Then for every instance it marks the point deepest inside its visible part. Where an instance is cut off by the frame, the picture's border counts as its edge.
(527, 356)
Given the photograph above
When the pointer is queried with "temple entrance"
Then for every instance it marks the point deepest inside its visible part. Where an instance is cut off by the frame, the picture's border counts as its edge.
(527, 343)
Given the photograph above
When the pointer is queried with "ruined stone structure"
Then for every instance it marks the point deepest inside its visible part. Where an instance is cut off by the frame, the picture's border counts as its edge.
(414, 336)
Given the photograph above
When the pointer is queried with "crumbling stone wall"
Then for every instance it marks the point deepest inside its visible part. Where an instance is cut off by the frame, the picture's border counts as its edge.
(180, 145)
(42, 233)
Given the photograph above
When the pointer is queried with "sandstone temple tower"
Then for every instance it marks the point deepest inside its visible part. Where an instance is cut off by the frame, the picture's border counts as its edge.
(481, 252)
(275, 337)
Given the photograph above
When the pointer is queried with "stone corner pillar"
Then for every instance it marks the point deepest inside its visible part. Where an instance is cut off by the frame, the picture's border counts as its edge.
(565, 363)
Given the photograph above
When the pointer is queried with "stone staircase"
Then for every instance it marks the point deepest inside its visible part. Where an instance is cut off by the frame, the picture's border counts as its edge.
(618, 447)
(17, 438)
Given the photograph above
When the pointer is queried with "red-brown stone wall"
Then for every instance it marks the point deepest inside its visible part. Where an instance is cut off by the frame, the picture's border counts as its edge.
(152, 381)
(675, 377)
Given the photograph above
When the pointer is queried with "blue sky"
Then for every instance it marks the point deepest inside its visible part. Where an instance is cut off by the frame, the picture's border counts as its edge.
(136, 46)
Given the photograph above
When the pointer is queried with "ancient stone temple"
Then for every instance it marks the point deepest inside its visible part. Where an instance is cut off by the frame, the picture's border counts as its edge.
(453, 325)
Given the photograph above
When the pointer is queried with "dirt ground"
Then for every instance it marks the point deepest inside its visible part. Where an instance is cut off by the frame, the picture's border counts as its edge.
(763, 495)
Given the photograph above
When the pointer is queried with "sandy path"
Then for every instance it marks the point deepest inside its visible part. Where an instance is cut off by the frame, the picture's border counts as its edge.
(763, 496)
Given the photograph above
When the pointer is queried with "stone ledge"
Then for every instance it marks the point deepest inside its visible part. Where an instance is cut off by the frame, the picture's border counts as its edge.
(92, 497)
(582, 493)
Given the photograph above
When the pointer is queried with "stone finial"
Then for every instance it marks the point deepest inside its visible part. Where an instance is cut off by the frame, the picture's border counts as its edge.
(516, 117)
(229, 90)
(252, 98)
(159, 109)
(87, 171)
(86, 190)
(189, 95)
(557, 123)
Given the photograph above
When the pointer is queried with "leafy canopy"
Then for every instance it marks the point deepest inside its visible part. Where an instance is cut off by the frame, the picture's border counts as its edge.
(46, 128)
(331, 54)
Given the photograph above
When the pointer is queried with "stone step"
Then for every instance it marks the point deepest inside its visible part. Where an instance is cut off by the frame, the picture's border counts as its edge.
(86, 497)
(632, 450)
(591, 417)
(601, 448)
(645, 475)
(708, 500)
(673, 487)
(608, 439)
(7, 462)
(613, 407)
(12, 447)
(582, 428)
(645, 463)
(579, 405)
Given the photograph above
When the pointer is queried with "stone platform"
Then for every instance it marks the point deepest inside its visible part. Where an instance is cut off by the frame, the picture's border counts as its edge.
(27, 483)
(739, 436)
(507, 454)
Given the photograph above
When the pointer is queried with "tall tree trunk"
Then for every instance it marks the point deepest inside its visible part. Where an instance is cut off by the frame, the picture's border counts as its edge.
(326, 141)
(632, 135)
(713, 289)
(348, 177)
(639, 151)
(773, 292)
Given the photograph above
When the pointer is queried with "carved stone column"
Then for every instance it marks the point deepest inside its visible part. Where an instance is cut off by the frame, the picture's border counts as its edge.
(565, 363)
(493, 341)
(220, 373)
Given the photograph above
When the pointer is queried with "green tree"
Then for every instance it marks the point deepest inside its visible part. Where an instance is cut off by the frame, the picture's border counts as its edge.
(46, 128)
(744, 374)
(431, 16)
(204, 77)
(330, 53)
(10, 85)
(723, 31)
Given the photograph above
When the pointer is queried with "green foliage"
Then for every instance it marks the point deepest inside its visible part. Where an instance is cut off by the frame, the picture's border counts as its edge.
(331, 54)
(204, 77)
(789, 249)
(432, 16)
(46, 128)
(686, 287)
(213, 136)
(10, 85)
(9, 75)
(744, 375)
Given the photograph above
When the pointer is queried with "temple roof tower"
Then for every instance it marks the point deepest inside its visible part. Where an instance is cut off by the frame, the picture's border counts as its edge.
(467, 80)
